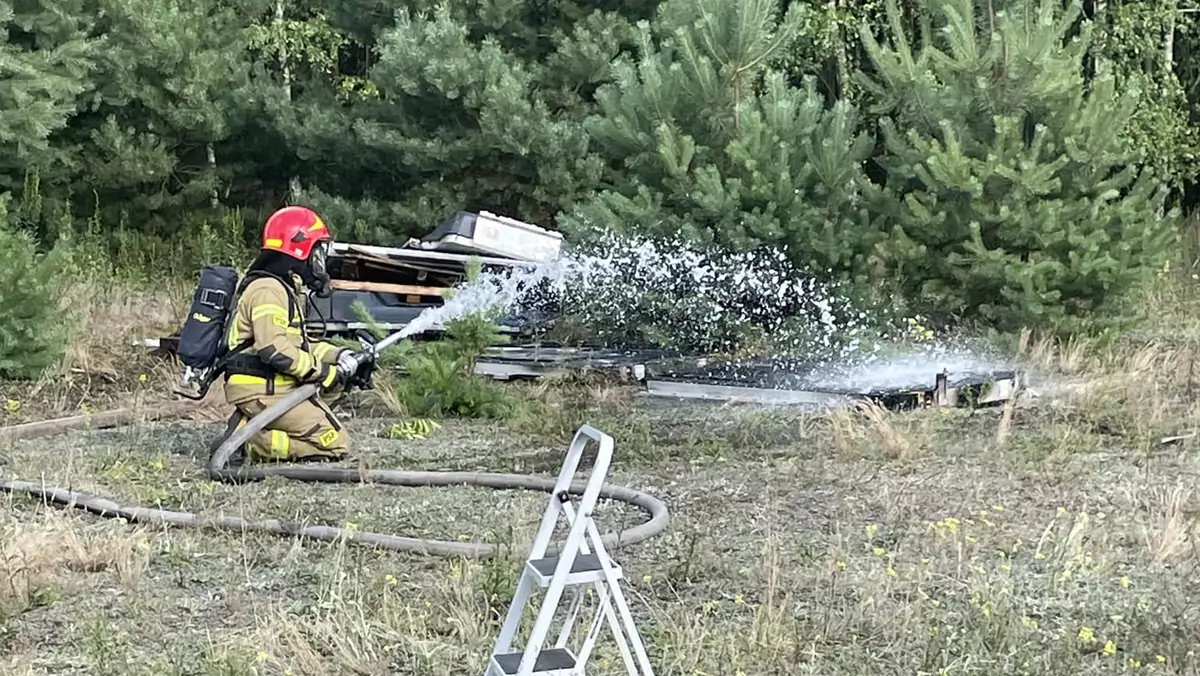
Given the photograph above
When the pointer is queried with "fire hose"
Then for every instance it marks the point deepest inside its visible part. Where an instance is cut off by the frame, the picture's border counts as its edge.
(219, 470)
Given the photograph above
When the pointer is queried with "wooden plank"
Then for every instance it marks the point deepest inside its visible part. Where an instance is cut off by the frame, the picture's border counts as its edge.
(381, 287)
(391, 265)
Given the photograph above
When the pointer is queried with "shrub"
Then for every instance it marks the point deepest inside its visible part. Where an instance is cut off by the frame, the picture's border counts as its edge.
(1013, 198)
(440, 377)
(32, 331)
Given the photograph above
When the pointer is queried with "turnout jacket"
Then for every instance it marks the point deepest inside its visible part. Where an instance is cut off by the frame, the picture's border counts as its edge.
(279, 356)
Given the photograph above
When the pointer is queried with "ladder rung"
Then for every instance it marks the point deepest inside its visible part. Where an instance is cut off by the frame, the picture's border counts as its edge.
(553, 662)
(584, 570)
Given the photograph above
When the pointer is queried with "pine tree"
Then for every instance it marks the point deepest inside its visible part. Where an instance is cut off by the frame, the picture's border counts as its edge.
(47, 58)
(171, 88)
(1011, 196)
(704, 139)
(468, 110)
(32, 333)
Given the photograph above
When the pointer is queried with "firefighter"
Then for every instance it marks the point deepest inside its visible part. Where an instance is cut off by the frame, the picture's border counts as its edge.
(276, 354)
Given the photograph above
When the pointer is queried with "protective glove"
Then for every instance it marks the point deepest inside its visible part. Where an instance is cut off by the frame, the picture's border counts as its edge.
(349, 361)
(357, 368)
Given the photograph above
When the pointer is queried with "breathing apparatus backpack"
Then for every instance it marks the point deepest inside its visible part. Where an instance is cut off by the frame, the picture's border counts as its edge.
(202, 340)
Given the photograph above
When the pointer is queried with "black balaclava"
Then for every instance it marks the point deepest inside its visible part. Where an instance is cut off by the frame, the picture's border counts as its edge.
(275, 263)
(283, 266)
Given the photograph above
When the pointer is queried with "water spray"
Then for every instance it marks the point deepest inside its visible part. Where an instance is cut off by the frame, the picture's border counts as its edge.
(711, 303)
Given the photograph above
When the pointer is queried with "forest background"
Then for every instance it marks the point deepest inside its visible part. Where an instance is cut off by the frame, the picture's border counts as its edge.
(1001, 163)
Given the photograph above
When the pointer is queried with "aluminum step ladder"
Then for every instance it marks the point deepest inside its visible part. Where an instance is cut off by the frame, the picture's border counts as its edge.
(583, 565)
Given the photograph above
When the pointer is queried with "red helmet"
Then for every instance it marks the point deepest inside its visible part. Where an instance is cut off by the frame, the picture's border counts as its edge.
(294, 231)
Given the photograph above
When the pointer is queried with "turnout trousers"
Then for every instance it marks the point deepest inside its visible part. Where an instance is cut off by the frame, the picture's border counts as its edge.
(310, 431)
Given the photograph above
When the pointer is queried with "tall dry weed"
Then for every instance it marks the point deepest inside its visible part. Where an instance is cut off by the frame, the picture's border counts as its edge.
(868, 426)
(109, 319)
(40, 556)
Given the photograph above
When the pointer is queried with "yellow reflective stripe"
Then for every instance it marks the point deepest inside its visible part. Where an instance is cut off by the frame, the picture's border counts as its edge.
(245, 379)
(268, 309)
(233, 334)
(321, 350)
(279, 444)
(273, 242)
(330, 377)
(304, 362)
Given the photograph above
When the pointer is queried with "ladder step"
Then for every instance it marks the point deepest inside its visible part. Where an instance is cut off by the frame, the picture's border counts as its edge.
(553, 662)
(584, 570)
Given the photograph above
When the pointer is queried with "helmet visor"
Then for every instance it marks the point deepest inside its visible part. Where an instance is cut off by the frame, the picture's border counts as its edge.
(317, 262)
(319, 258)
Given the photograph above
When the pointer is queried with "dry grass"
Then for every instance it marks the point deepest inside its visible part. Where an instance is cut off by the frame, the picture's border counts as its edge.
(1054, 537)
(47, 557)
(102, 365)
(38, 557)
(109, 317)
(867, 424)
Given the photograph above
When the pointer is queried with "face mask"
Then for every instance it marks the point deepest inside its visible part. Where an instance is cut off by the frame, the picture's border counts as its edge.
(315, 275)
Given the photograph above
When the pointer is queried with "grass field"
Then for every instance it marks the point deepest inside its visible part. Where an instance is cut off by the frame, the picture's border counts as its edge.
(1058, 537)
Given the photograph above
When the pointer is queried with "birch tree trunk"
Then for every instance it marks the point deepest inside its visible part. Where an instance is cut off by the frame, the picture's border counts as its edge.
(214, 197)
(285, 69)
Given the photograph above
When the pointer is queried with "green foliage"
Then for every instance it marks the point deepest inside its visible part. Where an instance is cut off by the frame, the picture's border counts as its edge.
(47, 58)
(172, 76)
(706, 140)
(32, 330)
(467, 128)
(1012, 200)
(1132, 44)
(437, 384)
(440, 378)
(158, 134)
